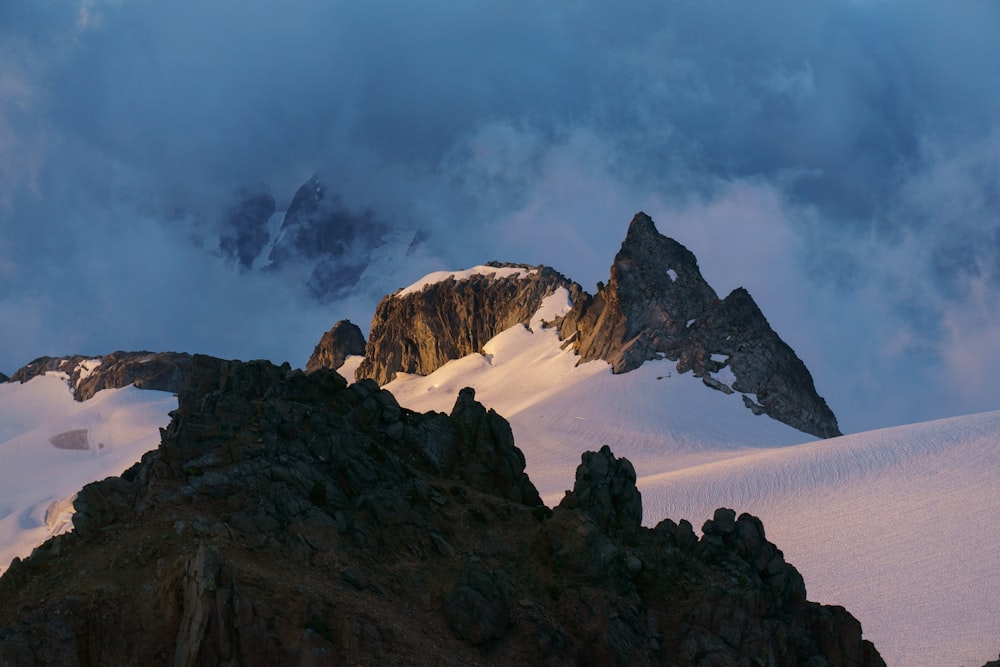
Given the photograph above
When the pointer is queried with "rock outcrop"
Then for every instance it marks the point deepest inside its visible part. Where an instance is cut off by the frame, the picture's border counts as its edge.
(420, 331)
(4, 378)
(344, 339)
(320, 231)
(162, 371)
(288, 518)
(656, 304)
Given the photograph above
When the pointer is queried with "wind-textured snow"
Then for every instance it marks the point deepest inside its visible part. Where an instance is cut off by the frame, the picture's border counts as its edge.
(898, 525)
(52, 445)
(465, 274)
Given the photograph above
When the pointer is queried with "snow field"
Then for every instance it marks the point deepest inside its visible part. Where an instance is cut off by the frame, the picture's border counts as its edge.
(38, 479)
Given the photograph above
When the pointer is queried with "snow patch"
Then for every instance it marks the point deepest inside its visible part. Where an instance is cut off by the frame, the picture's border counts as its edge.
(672, 274)
(87, 367)
(554, 305)
(350, 367)
(725, 376)
(481, 270)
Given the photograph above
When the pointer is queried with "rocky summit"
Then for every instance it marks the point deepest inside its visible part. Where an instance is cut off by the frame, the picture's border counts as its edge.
(420, 331)
(344, 339)
(656, 304)
(162, 371)
(288, 518)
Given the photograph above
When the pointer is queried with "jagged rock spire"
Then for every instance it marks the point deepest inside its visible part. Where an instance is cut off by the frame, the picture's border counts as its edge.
(656, 304)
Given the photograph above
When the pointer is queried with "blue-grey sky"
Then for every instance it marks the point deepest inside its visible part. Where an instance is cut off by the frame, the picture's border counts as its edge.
(839, 158)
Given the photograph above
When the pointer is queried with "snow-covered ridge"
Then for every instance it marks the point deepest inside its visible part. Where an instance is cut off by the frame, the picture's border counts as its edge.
(496, 272)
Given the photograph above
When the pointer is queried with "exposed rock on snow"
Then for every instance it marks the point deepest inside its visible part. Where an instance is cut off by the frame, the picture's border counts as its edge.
(290, 519)
(4, 378)
(344, 339)
(657, 304)
(420, 331)
(162, 371)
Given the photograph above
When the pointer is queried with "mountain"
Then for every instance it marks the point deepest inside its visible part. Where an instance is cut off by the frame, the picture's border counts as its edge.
(655, 305)
(287, 518)
(896, 525)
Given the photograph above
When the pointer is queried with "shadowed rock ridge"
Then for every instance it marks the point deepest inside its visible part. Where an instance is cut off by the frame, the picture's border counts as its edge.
(656, 304)
(287, 518)
(161, 371)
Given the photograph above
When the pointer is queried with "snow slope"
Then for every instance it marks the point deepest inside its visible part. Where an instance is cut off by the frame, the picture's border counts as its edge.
(51, 446)
(897, 525)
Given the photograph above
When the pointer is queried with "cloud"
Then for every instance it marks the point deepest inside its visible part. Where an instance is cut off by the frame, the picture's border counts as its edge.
(837, 158)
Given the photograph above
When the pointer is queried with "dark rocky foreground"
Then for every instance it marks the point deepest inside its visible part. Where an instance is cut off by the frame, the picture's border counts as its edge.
(162, 371)
(289, 519)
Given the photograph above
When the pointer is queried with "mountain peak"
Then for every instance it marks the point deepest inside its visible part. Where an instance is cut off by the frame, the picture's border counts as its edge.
(657, 305)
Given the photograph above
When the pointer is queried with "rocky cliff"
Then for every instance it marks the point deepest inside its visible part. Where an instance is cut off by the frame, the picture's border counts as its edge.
(341, 341)
(4, 378)
(287, 518)
(163, 371)
(421, 330)
(657, 304)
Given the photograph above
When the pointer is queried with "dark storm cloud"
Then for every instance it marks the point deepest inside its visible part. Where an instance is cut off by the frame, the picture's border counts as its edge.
(839, 158)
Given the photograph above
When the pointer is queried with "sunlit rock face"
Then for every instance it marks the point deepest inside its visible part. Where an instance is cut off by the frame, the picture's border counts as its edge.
(419, 330)
(342, 340)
